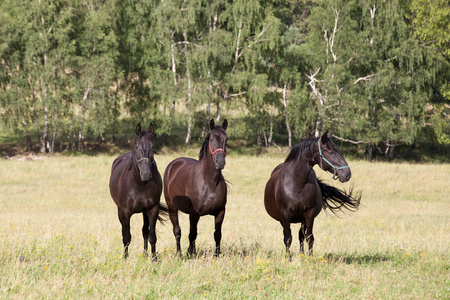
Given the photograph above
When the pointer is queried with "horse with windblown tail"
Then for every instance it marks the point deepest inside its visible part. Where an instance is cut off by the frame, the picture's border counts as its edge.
(293, 193)
(136, 187)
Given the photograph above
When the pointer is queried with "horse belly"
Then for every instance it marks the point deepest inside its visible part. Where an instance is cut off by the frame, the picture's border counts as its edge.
(182, 203)
(211, 206)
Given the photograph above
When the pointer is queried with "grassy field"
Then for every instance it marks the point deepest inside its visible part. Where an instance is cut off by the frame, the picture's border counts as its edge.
(60, 237)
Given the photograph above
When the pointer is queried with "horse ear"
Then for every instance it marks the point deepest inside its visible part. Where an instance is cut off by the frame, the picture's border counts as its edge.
(138, 129)
(151, 129)
(325, 137)
(212, 124)
(330, 134)
(225, 124)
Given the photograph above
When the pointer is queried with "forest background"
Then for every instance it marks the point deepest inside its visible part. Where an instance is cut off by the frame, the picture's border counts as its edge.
(377, 73)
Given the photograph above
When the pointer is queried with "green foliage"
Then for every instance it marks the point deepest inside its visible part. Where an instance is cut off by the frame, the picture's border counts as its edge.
(431, 23)
(375, 72)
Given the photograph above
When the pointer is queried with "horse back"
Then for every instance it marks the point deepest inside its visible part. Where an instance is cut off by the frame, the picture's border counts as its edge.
(175, 176)
(120, 160)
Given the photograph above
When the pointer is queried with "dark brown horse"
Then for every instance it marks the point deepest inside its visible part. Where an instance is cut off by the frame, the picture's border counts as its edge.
(198, 188)
(136, 187)
(294, 194)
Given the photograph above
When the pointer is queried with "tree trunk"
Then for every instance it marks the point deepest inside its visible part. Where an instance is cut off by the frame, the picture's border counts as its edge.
(219, 110)
(265, 139)
(288, 127)
(52, 143)
(389, 152)
(38, 125)
(318, 127)
(45, 147)
(82, 116)
(258, 138)
(189, 100)
(29, 145)
(175, 84)
(370, 151)
(269, 139)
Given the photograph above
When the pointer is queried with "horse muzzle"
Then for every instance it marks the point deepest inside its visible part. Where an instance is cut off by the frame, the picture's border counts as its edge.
(145, 175)
(219, 162)
(344, 175)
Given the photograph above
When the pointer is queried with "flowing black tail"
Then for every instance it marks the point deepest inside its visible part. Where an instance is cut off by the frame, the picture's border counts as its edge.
(336, 200)
(163, 213)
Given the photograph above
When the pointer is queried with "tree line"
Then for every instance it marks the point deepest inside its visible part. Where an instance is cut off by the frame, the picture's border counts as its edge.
(375, 72)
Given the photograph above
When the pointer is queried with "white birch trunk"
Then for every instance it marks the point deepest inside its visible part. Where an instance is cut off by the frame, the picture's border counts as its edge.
(286, 116)
(189, 100)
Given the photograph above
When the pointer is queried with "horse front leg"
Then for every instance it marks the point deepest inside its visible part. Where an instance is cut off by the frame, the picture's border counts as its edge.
(193, 220)
(153, 217)
(145, 231)
(218, 230)
(301, 238)
(124, 219)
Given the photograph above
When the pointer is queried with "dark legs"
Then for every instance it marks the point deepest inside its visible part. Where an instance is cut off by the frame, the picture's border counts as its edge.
(287, 235)
(218, 230)
(193, 220)
(145, 231)
(149, 230)
(173, 215)
(301, 238)
(310, 236)
(124, 219)
(306, 231)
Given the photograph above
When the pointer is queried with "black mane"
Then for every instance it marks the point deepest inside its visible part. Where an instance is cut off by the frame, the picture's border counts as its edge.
(301, 149)
(204, 146)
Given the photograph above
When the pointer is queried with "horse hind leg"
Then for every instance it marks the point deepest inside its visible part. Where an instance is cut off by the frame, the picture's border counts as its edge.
(173, 216)
(287, 234)
(310, 236)
(124, 219)
(153, 217)
(301, 238)
(193, 220)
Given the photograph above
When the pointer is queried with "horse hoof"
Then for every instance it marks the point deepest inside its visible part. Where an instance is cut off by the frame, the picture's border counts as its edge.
(289, 256)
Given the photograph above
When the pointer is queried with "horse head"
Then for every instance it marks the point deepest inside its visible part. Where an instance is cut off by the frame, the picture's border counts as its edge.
(218, 143)
(143, 151)
(331, 160)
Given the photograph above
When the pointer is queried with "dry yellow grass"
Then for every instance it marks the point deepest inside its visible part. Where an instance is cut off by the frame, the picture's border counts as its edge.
(60, 237)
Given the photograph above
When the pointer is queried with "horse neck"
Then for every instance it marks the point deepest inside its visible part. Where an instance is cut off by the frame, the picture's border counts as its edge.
(208, 168)
(302, 166)
(134, 169)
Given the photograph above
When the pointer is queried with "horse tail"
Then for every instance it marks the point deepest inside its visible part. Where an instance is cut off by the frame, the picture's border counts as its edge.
(163, 213)
(335, 199)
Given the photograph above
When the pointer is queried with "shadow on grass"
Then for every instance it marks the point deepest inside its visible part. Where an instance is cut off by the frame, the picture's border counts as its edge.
(360, 259)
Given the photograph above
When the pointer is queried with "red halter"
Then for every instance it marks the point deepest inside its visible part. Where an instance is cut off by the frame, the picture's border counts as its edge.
(218, 149)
